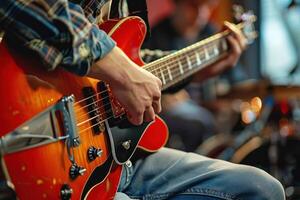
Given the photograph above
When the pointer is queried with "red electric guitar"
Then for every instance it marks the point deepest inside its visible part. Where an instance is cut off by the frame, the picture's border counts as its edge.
(66, 137)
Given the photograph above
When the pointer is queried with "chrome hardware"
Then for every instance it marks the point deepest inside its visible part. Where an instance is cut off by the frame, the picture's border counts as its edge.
(76, 171)
(66, 106)
(93, 153)
(126, 144)
(66, 192)
(248, 19)
(128, 163)
(44, 129)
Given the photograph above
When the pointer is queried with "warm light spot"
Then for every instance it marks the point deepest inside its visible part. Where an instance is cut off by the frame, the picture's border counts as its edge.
(54, 181)
(16, 112)
(248, 116)
(39, 182)
(108, 185)
(25, 128)
(45, 196)
(50, 100)
(286, 128)
(256, 104)
(23, 168)
(283, 122)
(244, 106)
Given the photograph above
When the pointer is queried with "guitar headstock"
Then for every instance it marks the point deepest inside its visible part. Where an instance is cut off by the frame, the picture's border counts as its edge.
(246, 22)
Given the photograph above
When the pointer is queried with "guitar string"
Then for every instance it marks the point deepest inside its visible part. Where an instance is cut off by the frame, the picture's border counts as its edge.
(96, 109)
(98, 100)
(199, 45)
(172, 63)
(153, 65)
(98, 123)
(107, 113)
(171, 66)
(165, 60)
(100, 115)
(186, 66)
(176, 64)
(176, 75)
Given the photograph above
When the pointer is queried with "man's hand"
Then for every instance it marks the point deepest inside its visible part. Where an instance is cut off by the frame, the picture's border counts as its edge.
(136, 89)
(237, 42)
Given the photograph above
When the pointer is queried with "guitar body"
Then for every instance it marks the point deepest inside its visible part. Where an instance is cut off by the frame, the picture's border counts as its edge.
(42, 172)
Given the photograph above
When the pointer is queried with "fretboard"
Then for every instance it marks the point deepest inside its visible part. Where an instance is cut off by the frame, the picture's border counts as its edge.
(185, 62)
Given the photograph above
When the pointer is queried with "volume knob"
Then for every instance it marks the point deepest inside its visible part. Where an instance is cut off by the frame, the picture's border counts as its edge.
(93, 153)
(76, 170)
(66, 192)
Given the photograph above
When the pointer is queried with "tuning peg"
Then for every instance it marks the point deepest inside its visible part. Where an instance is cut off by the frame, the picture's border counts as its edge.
(249, 17)
(238, 11)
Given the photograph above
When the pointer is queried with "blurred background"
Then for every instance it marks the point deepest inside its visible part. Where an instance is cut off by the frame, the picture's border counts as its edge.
(251, 113)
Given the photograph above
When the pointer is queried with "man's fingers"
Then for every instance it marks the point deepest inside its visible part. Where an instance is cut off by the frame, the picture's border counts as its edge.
(237, 33)
(135, 117)
(157, 106)
(149, 114)
(236, 49)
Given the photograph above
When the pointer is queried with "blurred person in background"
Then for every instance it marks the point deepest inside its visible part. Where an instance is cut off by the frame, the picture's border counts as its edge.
(189, 123)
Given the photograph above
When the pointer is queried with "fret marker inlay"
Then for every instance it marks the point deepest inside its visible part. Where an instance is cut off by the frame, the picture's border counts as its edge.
(169, 72)
(198, 59)
(189, 62)
(216, 50)
(180, 67)
(163, 77)
(206, 54)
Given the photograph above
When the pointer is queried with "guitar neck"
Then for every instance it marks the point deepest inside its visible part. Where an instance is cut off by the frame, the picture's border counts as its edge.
(185, 62)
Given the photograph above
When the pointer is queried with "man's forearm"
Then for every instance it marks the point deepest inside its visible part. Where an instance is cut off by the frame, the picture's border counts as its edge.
(57, 31)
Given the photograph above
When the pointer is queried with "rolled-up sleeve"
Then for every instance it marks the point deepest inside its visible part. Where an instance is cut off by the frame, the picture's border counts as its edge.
(57, 31)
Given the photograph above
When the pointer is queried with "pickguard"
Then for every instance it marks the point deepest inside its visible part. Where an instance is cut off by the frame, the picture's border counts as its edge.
(131, 135)
(98, 176)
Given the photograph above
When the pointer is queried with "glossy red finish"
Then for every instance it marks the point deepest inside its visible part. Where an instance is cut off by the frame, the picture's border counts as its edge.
(129, 35)
(26, 90)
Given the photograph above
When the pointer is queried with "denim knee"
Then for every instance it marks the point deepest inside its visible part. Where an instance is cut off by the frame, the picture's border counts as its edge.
(256, 184)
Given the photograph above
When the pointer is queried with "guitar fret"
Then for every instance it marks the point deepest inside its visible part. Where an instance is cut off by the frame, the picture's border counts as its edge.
(216, 49)
(202, 56)
(213, 54)
(180, 67)
(206, 54)
(198, 59)
(169, 72)
(163, 77)
(189, 62)
(224, 45)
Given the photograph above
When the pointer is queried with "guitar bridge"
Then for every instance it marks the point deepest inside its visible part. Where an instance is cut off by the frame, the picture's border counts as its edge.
(44, 128)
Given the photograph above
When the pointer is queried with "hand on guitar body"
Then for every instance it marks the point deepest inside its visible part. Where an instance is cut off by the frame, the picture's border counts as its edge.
(237, 43)
(136, 89)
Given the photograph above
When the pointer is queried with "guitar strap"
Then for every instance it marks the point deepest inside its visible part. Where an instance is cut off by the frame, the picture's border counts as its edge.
(135, 8)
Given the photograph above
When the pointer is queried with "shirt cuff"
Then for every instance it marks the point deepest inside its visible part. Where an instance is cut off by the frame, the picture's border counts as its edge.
(88, 52)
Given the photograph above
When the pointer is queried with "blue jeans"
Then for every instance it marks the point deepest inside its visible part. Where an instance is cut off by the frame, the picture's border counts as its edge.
(176, 175)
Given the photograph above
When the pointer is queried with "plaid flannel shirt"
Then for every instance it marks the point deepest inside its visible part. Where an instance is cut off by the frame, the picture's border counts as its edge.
(58, 31)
